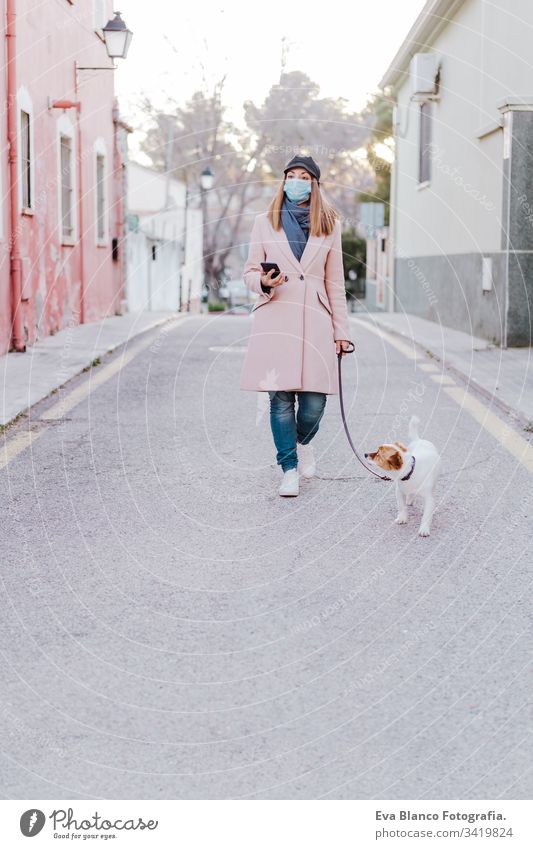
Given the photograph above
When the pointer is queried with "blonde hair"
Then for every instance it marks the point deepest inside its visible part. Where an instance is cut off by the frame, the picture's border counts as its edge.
(322, 216)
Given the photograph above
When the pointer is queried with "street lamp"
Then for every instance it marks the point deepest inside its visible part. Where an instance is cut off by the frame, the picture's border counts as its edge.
(207, 179)
(117, 37)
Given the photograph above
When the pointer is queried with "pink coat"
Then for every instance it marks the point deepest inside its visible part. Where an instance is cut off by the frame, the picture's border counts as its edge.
(294, 327)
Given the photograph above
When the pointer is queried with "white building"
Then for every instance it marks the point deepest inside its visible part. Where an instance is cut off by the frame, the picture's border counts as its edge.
(378, 268)
(462, 183)
(165, 247)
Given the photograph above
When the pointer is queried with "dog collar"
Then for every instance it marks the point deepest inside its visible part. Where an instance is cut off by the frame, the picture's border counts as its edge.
(410, 472)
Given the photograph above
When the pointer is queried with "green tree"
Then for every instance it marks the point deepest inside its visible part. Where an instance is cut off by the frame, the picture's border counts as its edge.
(379, 150)
(354, 259)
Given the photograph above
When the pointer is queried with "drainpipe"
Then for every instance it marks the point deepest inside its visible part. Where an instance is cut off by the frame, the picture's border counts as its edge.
(80, 215)
(15, 261)
(118, 184)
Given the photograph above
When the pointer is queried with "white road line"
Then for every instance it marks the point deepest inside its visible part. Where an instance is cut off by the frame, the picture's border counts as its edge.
(227, 349)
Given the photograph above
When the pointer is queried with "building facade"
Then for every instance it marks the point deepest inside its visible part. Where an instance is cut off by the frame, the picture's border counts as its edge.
(60, 172)
(378, 269)
(462, 183)
(164, 249)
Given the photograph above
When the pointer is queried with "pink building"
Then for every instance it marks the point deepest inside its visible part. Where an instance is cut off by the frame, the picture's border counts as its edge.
(61, 211)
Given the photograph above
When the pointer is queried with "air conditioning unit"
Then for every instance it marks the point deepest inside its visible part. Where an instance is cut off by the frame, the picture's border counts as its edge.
(423, 72)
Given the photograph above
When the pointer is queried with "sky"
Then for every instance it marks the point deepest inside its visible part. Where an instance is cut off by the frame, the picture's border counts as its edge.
(176, 49)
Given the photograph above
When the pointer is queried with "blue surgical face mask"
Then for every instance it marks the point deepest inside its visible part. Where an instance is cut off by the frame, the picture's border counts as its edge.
(296, 189)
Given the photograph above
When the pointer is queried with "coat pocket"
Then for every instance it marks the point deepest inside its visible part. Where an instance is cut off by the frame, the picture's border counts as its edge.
(261, 302)
(324, 301)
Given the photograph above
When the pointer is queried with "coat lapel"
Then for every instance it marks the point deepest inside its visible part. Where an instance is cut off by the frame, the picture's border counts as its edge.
(314, 243)
(310, 250)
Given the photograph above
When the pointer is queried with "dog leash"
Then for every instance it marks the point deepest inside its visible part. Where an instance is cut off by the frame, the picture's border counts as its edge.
(341, 399)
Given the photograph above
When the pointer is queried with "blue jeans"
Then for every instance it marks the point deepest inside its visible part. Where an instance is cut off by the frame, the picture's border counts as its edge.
(288, 428)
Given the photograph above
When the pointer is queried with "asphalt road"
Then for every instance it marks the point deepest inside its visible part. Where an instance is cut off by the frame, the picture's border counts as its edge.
(171, 628)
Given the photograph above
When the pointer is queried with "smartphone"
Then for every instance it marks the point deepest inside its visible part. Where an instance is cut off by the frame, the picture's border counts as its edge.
(268, 266)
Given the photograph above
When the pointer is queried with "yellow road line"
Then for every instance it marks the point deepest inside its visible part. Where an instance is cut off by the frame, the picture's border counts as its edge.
(502, 432)
(443, 379)
(97, 378)
(406, 350)
(14, 446)
(506, 436)
(17, 443)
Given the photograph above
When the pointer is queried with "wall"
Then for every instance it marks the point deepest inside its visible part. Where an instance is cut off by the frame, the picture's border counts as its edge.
(153, 284)
(5, 297)
(193, 271)
(47, 44)
(378, 270)
(158, 202)
(166, 221)
(448, 225)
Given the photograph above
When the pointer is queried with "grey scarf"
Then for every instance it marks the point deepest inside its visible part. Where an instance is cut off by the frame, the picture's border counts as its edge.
(295, 222)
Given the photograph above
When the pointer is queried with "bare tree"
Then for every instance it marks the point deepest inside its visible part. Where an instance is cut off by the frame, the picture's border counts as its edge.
(182, 143)
(295, 119)
(183, 140)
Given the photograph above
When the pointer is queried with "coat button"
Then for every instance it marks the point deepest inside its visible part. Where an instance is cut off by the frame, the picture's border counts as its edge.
(301, 277)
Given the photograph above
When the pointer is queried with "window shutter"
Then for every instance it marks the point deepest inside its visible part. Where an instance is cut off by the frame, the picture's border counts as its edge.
(67, 222)
(25, 159)
(100, 197)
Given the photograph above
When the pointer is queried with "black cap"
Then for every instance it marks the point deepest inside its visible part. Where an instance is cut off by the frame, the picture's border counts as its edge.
(306, 162)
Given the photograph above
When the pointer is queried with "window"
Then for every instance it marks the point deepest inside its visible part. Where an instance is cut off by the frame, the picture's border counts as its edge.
(67, 187)
(25, 152)
(101, 192)
(27, 198)
(67, 197)
(100, 198)
(424, 141)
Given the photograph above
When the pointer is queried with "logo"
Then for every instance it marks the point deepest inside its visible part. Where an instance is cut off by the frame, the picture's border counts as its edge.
(32, 822)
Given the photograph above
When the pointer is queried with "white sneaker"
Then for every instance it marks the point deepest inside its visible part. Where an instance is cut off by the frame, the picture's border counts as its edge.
(290, 485)
(306, 460)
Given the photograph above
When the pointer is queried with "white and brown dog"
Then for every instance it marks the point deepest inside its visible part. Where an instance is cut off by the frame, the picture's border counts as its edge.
(415, 469)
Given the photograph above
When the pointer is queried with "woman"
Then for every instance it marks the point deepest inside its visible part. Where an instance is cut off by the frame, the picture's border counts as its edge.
(300, 321)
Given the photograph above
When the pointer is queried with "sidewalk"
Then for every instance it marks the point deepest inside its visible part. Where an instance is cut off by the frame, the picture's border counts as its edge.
(503, 375)
(28, 377)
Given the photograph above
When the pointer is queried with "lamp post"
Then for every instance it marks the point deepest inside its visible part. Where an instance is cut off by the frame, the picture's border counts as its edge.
(207, 179)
